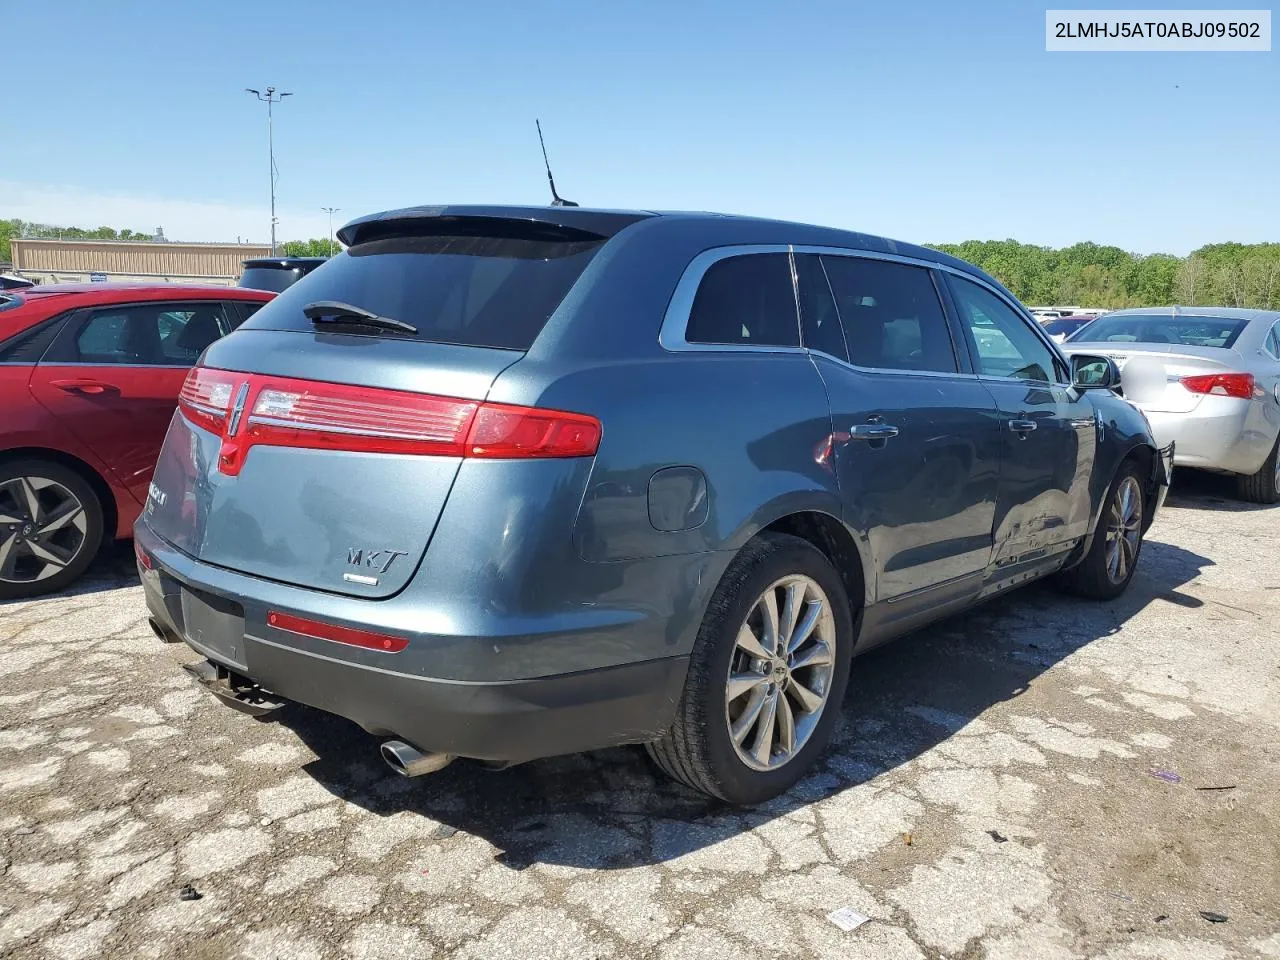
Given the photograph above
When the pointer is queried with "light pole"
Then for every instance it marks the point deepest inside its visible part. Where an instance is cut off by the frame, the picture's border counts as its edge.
(331, 211)
(271, 98)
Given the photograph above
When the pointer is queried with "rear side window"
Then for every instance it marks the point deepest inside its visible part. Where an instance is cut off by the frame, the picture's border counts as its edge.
(470, 290)
(244, 309)
(891, 315)
(746, 301)
(150, 334)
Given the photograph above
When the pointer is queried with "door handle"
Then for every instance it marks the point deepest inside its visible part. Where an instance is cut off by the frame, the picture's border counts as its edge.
(872, 431)
(1022, 426)
(93, 387)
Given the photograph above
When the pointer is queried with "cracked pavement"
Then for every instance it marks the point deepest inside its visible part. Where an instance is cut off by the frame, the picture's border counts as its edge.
(990, 794)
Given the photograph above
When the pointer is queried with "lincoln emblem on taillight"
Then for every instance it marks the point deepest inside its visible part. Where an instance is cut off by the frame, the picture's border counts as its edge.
(237, 409)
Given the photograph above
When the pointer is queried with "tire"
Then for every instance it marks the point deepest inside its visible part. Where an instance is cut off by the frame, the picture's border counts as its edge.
(699, 749)
(1263, 486)
(35, 560)
(1097, 576)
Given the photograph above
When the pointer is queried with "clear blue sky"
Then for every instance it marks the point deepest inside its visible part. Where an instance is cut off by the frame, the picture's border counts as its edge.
(924, 121)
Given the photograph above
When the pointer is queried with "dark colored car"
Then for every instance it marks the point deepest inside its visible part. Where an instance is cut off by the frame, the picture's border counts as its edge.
(89, 380)
(502, 483)
(277, 273)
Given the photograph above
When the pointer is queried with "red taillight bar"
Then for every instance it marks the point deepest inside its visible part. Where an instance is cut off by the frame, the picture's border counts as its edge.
(291, 412)
(331, 631)
(1240, 385)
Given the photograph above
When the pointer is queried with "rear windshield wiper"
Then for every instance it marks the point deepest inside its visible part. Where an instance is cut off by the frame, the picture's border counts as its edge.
(337, 312)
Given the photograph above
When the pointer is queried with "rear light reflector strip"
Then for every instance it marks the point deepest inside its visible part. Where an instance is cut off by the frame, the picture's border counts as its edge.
(340, 416)
(350, 636)
(309, 414)
(1239, 385)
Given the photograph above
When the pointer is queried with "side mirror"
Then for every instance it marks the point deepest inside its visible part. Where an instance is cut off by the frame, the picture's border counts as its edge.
(1092, 372)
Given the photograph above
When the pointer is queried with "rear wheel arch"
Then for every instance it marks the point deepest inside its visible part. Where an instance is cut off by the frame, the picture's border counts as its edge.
(839, 546)
(701, 748)
(106, 498)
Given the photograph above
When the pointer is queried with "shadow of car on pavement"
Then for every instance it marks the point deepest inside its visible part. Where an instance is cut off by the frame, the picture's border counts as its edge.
(1201, 490)
(612, 809)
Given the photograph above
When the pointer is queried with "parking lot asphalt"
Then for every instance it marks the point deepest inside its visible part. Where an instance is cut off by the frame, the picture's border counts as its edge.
(1042, 778)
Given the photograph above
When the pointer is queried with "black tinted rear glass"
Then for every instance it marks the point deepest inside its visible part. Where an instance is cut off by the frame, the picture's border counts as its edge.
(1144, 328)
(474, 291)
(274, 279)
(746, 300)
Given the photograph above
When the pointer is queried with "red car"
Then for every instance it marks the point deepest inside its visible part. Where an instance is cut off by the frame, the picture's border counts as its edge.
(89, 379)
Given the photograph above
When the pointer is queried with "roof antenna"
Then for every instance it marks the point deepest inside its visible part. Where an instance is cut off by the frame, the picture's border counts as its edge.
(556, 199)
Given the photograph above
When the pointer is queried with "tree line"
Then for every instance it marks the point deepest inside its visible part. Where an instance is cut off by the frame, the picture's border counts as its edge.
(11, 229)
(1091, 275)
(1085, 274)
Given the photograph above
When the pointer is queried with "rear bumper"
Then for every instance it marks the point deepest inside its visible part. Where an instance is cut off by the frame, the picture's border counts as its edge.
(506, 721)
(1220, 434)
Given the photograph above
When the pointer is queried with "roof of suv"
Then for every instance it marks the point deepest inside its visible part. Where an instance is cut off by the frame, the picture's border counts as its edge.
(586, 222)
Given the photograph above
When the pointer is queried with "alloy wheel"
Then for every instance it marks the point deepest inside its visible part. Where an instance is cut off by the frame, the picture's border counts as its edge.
(1124, 529)
(42, 529)
(780, 672)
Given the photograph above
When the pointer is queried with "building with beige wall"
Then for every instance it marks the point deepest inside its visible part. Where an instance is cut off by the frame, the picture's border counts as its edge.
(78, 261)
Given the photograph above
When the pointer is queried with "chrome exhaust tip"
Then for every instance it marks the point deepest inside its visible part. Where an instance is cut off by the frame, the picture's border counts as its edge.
(163, 635)
(410, 761)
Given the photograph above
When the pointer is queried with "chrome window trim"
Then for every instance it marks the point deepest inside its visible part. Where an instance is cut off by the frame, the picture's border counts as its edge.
(676, 320)
(671, 337)
(866, 255)
(895, 371)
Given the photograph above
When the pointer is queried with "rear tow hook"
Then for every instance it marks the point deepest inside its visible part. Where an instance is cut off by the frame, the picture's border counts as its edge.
(232, 689)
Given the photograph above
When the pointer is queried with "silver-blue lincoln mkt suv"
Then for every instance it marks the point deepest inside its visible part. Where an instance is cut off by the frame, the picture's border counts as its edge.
(502, 483)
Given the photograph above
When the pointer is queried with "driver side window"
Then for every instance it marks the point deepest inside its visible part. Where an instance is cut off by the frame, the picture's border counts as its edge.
(1006, 345)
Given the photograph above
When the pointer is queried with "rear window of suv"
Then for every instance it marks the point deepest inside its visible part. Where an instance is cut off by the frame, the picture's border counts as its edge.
(470, 290)
(273, 279)
(1151, 328)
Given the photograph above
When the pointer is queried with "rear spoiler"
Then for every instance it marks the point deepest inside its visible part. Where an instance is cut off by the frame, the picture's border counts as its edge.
(532, 223)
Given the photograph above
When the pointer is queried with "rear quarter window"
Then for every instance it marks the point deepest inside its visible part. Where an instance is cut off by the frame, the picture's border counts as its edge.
(468, 290)
(746, 300)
